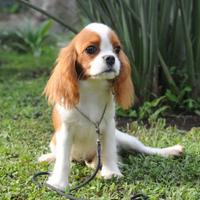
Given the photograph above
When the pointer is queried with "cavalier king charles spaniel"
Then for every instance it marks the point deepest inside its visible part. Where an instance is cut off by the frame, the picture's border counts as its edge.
(90, 73)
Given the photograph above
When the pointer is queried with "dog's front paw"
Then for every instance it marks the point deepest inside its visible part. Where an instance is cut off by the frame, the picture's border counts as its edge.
(109, 173)
(59, 183)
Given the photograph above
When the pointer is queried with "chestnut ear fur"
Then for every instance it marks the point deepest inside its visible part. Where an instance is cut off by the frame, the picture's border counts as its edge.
(62, 87)
(123, 87)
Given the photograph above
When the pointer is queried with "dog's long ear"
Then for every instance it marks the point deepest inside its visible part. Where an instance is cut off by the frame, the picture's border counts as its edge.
(62, 87)
(123, 86)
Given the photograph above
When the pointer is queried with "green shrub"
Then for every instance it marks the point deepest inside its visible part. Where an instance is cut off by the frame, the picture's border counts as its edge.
(149, 110)
(28, 38)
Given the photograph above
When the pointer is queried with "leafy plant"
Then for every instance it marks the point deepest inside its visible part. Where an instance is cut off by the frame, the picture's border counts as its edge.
(183, 101)
(152, 109)
(177, 99)
(126, 113)
(28, 38)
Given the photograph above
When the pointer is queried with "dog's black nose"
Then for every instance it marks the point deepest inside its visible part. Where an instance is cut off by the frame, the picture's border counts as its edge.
(110, 60)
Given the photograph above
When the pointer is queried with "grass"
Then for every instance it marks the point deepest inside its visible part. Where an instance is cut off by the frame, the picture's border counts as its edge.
(25, 131)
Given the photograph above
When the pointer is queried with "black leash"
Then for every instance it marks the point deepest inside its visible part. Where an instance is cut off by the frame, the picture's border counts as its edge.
(139, 196)
(98, 167)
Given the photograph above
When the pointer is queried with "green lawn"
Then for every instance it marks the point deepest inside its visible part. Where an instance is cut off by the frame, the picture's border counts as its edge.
(25, 131)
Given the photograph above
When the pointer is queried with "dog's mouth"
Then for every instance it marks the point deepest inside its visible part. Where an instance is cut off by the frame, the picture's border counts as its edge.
(109, 70)
(105, 75)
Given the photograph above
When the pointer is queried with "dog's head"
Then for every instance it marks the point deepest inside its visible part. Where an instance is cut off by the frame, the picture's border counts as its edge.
(94, 53)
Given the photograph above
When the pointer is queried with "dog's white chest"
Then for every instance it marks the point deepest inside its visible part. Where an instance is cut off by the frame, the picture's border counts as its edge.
(81, 125)
(96, 106)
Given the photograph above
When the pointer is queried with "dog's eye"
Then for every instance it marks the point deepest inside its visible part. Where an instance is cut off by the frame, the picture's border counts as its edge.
(91, 49)
(117, 49)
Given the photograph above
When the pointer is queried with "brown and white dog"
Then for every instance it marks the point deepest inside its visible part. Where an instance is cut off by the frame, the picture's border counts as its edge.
(91, 72)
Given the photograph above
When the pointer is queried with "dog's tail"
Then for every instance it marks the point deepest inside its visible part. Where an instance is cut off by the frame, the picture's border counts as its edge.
(131, 144)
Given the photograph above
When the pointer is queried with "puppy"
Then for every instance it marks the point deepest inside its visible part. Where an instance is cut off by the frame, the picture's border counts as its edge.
(91, 74)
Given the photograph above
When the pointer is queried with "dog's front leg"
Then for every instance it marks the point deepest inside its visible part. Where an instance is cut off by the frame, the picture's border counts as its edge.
(59, 176)
(109, 153)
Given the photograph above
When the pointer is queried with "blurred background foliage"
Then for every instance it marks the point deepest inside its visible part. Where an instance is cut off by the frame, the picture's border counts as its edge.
(28, 38)
(10, 6)
(160, 37)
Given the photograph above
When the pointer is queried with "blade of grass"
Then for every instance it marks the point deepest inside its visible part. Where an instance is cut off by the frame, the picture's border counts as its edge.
(153, 46)
(145, 47)
(188, 45)
(167, 73)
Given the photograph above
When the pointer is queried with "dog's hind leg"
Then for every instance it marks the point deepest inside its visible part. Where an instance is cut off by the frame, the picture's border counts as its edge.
(130, 144)
(49, 157)
(92, 163)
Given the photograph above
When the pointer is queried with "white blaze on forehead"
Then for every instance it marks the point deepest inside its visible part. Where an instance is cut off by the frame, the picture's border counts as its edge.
(98, 28)
(103, 31)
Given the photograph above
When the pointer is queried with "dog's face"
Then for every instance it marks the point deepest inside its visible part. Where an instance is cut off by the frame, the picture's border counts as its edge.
(98, 52)
(94, 53)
